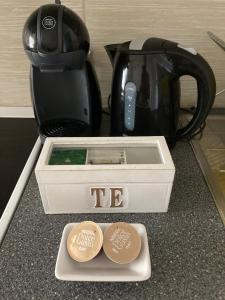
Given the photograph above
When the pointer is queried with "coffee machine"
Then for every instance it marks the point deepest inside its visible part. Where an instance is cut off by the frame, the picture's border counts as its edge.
(64, 87)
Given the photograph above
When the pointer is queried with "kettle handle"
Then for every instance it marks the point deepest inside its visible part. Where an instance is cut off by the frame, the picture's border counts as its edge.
(188, 62)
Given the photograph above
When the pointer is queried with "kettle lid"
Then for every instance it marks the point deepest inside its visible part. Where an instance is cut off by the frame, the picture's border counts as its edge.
(149, 44)
(143, 45)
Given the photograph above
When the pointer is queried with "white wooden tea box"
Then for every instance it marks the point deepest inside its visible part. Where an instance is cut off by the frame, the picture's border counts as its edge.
(105, 175)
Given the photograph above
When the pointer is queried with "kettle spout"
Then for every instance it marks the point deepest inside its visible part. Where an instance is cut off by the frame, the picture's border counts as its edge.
(111, 51)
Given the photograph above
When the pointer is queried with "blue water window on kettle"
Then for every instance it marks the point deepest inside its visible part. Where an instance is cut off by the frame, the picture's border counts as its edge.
(130, 101)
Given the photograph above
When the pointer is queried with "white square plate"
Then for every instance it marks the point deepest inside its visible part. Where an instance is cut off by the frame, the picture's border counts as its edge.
(101, 268)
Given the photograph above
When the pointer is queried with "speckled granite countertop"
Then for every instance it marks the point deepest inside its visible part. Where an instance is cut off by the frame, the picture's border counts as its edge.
(187, 246)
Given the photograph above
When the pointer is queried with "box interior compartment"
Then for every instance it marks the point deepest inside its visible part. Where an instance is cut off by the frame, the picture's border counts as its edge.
(143, 155)
(106, 156)
(67, 156)
(70, 155)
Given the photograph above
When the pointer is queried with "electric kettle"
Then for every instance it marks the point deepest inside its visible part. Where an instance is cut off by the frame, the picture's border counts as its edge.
(145, 95)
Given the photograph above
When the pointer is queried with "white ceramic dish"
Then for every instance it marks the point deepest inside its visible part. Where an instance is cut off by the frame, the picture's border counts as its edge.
(101, 268)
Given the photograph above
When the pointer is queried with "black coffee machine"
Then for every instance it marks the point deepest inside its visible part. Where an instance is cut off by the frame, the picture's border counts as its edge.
(145, 95)
(64, 88)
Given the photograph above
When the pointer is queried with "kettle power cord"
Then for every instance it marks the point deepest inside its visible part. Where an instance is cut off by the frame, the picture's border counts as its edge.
(199, 131)
(107, 112)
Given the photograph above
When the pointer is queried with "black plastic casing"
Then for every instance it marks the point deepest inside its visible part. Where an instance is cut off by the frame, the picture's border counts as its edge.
(64, 86)
(154, 71)
(65, 45)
